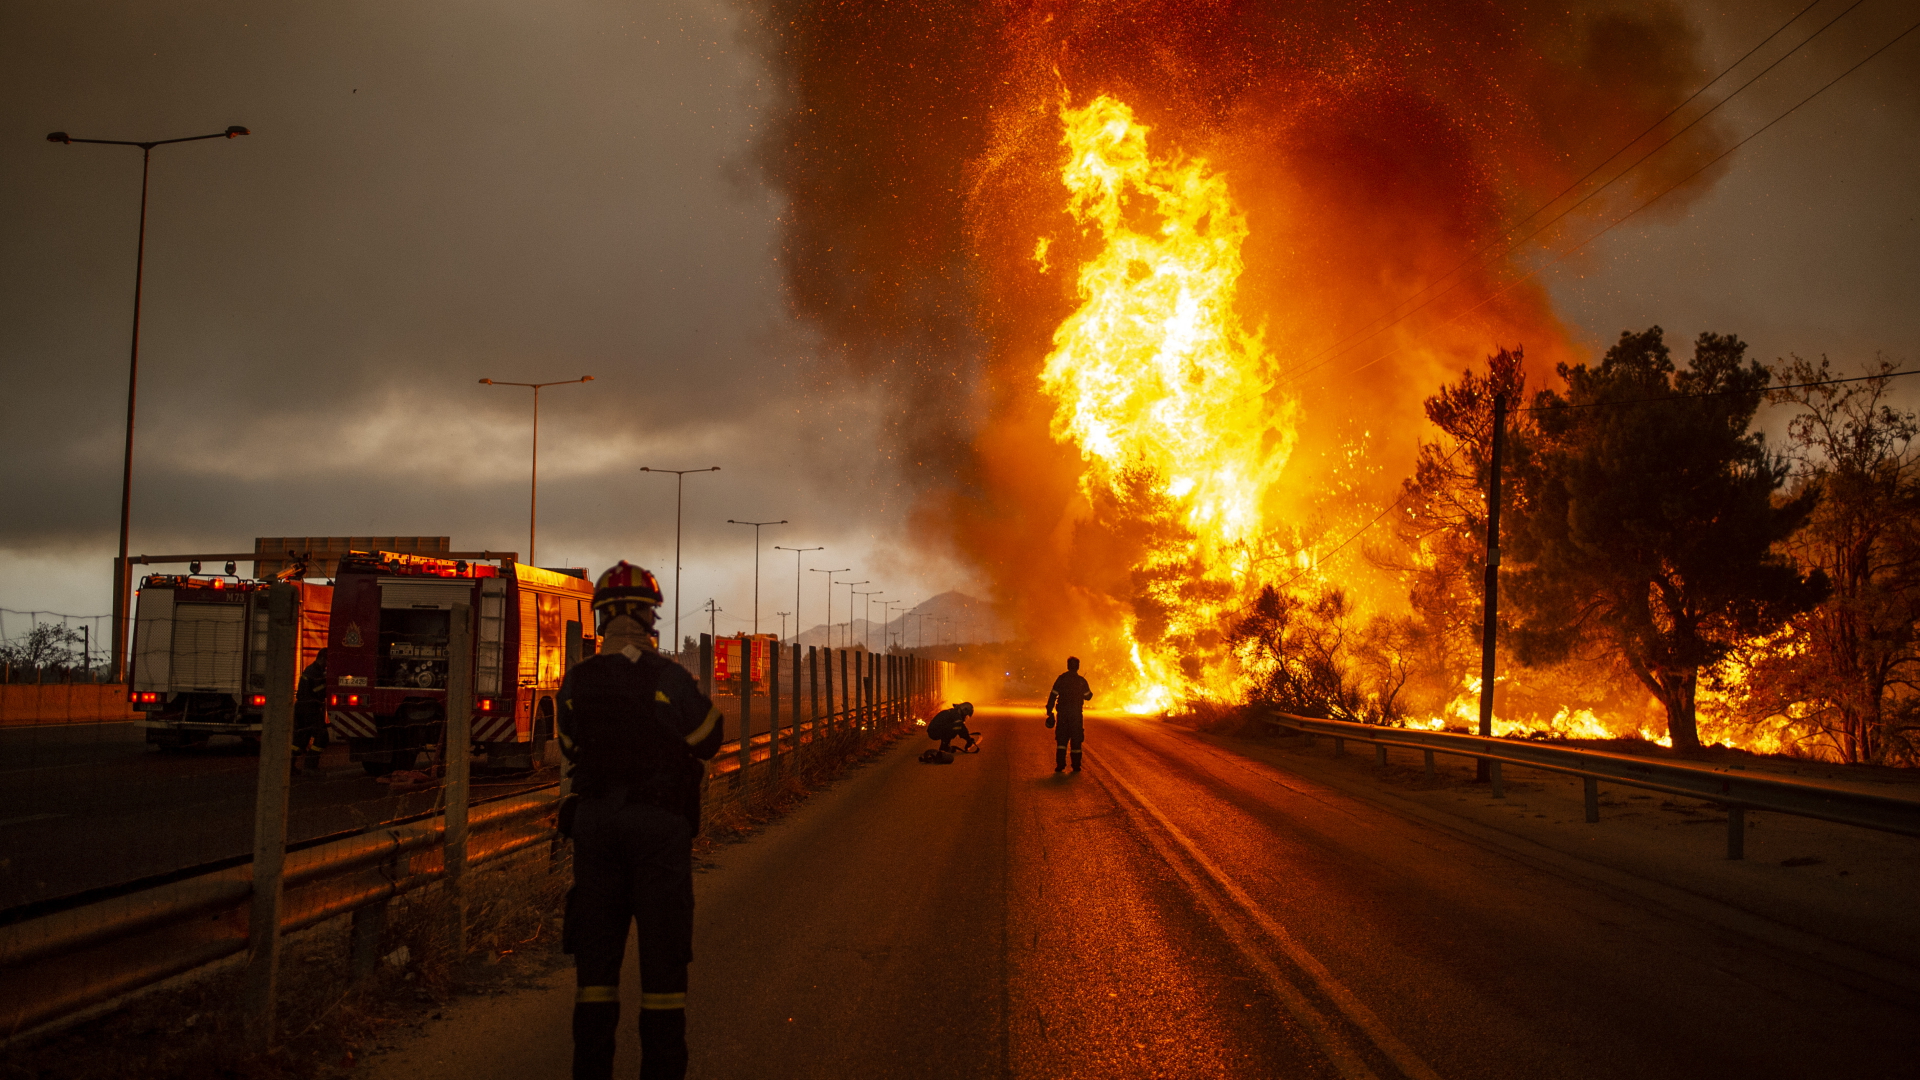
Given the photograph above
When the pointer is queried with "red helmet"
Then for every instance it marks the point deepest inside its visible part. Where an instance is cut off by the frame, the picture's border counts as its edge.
(626, 589)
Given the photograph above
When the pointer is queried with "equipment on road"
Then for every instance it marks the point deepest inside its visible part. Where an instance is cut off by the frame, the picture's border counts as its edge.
(200, 655)
(387, 658)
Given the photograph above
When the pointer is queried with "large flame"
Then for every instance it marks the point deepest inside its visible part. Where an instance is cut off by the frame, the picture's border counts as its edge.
(1156, 377)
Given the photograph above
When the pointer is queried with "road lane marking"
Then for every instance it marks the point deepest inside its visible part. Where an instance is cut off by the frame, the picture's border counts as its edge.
(30, 817)
(1361, 1017)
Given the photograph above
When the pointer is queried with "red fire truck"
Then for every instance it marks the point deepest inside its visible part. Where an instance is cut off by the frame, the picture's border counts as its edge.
(387, 654)
(200, 654)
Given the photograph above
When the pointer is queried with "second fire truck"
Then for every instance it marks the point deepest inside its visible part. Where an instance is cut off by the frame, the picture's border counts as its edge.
(387, 657)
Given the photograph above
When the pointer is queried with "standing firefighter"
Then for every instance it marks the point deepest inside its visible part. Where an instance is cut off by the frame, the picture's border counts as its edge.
(638, 732)
(1070, 693)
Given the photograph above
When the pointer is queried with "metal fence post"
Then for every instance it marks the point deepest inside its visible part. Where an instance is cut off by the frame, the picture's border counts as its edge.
(459, 767)
(270, 812)
(706, 663)
(1493, 775)
(746, 709)
(813, 676)
(793, 714)
(773, 709)
(846, 692)
(1736, 832)
(1429, 755)
(1592, 797)
(1380, 754)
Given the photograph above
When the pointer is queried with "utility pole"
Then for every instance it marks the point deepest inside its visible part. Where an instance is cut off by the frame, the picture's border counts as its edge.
(713, 621)
(1489, 770)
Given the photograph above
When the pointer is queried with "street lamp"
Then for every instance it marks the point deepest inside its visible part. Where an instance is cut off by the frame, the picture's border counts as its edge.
(123, 577)
(798, 554)
(886, 623)
(679, 486)
(847, 641)
(829, 573)
(533, 503)
(867, 616)
(756, 564)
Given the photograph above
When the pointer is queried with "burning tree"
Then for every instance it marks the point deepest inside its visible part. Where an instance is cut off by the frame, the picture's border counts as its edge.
(1846, 669)
(1650, 519)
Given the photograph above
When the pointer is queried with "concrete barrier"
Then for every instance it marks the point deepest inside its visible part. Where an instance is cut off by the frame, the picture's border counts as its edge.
(63, 703)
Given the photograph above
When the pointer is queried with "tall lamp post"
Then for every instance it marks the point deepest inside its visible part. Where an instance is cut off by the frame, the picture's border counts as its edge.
(679, 488)
(798, 554)
(867, 614)
(886, 623)
(533, 501)
(123, 571)
(829, 573)
(756, 564)
(847, 642)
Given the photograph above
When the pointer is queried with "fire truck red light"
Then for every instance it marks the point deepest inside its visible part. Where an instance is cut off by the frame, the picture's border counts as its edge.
(259, 699)
(333, 699)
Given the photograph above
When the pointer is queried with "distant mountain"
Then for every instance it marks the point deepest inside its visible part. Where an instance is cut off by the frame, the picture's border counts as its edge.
(950, 618)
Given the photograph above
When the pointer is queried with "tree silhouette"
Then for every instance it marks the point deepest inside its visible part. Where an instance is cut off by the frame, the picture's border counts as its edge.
(1650, 518)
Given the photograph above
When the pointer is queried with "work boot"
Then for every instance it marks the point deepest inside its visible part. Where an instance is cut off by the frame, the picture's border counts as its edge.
(594, 1025)
(663, 1044)
(1060, 760)
(1076, 761)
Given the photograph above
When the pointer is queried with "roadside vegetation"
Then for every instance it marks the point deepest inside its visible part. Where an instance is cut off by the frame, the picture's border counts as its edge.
(1668, 572)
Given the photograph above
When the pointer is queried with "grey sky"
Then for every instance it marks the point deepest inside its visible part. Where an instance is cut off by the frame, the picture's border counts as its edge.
(435, 193)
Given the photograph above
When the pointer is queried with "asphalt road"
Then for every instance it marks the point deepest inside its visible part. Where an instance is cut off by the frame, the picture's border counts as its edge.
(1179, 911)
(89, 805)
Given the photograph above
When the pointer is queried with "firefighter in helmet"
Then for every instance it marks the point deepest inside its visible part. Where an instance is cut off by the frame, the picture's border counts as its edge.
(638, 732)
(1067, 701)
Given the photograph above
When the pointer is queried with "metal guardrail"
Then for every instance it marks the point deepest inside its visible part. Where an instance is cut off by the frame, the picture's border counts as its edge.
(1731, 787)
(57, 964)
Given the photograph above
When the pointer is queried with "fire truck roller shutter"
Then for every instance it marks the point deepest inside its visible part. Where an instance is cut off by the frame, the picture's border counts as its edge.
(153, 640)
(409, 593)
(208, 642)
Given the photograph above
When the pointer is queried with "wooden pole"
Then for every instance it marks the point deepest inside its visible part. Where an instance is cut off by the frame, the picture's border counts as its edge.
(1490, 618)
(270, 813)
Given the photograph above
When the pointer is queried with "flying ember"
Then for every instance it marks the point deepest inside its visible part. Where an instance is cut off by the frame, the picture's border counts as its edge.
(1169, 398)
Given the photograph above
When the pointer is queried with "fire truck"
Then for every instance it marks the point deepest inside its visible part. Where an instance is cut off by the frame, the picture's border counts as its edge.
(200, 654)
(387, 655)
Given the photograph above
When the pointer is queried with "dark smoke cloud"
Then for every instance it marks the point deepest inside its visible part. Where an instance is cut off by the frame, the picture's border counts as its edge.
(1372, 146)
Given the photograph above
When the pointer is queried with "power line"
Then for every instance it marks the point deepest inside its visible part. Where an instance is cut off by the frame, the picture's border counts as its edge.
(1563, 256)
(1342, 349)
(1714, 393)
(1390, 507)
(1630, 143)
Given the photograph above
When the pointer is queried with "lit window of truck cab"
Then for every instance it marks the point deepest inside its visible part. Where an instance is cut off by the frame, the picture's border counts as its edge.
(200, 654)
(387, 658)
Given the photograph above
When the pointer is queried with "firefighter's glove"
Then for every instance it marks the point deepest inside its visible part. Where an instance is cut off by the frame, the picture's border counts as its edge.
(1049, 719)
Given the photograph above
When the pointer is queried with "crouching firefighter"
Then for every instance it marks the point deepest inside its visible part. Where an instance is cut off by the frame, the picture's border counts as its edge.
(638, 732)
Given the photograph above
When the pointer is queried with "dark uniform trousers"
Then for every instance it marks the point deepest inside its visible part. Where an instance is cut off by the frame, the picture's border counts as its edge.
(632, 864)
(1068, 731)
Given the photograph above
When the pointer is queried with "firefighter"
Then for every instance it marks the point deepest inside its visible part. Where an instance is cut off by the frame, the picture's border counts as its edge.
(638, 733)
(1069, 694)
